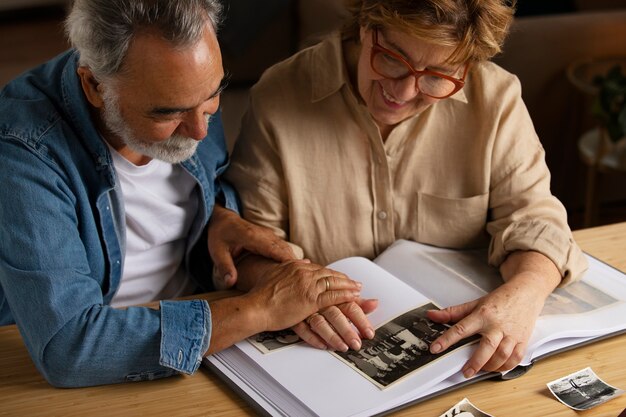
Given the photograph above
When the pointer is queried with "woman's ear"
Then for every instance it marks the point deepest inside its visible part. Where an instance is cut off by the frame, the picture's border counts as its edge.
(91, 87)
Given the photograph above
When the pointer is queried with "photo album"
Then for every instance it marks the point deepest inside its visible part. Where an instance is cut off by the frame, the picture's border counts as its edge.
(279, 375)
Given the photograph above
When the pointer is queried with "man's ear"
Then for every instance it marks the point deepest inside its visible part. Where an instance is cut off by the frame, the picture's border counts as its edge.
(91, 87)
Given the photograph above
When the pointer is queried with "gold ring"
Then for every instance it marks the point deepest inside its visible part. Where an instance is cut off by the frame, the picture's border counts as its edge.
(327, 284)
(308, 319)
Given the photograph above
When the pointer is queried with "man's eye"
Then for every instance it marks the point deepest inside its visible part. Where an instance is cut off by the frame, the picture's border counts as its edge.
(166, 117)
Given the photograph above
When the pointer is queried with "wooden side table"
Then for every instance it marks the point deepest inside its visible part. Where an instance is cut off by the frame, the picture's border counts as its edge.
(598, 153)
(601, 157)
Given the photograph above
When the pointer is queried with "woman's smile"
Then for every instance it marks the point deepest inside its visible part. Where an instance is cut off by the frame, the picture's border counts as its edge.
(390, 100)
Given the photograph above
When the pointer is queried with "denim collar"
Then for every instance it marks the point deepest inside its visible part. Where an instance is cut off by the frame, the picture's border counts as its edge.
(77, 109)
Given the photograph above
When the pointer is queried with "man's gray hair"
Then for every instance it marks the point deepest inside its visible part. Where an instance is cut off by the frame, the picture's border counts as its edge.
(102, 30)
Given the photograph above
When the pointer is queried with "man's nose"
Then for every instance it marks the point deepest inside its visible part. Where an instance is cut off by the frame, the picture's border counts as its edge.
(196, 123)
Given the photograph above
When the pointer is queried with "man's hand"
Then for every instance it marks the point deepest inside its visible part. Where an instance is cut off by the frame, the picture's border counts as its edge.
(505, 317)
(229, 235)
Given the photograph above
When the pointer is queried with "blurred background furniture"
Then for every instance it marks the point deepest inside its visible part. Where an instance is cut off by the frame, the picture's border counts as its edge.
(603, 159)
(539, 50)
(21, 4)
(604, 155)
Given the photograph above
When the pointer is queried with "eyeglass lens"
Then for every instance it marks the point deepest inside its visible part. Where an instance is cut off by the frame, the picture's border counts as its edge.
(391, 67)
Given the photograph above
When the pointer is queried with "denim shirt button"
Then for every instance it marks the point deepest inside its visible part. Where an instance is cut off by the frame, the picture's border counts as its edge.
(180, 356)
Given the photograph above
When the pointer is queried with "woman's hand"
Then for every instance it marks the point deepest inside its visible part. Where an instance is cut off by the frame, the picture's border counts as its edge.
(505, 317)
(294, 290)
(287, 294)
(336, 327)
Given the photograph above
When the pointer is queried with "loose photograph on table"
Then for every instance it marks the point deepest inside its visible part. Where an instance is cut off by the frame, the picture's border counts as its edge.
(399, 347)
(583, 390)
(465, 408)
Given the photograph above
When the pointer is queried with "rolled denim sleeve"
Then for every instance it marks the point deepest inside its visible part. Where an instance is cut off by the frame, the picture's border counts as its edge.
(185, 334)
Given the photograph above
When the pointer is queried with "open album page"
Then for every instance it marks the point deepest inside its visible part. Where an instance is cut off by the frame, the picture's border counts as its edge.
(308, 374)
(594, 306)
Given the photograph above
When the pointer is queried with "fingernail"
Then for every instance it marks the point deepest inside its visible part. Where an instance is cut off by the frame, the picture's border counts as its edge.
(355, 344)
(358, 284)
(343, 347)
(469, 372)
(227, 277)
(435, 348)
(356, 293)
(369, 333)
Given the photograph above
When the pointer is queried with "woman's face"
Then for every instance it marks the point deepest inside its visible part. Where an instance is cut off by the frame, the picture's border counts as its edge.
(392, 101)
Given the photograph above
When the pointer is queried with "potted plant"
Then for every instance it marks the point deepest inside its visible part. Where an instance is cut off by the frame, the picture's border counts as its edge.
(610, 109)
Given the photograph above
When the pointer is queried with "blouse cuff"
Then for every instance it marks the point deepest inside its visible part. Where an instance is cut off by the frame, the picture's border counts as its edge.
(544, 238)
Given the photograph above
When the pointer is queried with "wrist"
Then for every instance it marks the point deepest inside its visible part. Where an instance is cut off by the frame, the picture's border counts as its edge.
(256, 312)
(234, 319)
(543, 286)
(220, 212)
(532, 267)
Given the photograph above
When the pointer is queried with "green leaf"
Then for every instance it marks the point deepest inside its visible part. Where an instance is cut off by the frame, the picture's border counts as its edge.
(609, 107)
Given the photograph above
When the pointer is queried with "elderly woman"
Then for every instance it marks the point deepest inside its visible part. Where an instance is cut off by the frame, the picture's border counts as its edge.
(400, 128)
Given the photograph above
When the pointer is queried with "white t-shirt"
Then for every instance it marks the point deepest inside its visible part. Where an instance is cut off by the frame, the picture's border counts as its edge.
(160, 205)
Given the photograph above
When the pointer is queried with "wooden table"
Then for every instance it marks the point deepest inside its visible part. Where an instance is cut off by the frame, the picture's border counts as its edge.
(23, 392)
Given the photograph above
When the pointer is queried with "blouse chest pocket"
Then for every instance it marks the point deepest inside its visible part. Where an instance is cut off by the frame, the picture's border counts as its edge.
(452, 222)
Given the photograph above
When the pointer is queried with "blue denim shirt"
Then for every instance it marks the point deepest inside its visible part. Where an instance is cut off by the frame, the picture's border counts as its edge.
(63, 241)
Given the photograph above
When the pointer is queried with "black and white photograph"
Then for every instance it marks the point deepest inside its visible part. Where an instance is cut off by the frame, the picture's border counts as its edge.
(399, 347)
(465, 408)
(268, 342)
(583, 390)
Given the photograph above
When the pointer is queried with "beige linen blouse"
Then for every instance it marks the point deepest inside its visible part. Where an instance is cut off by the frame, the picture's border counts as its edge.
(310, 163)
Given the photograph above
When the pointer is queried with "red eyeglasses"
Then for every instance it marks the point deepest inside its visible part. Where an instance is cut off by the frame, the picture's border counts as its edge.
(392, 66)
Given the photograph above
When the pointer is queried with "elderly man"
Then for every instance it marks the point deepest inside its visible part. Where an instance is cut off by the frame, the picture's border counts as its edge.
(110, 156)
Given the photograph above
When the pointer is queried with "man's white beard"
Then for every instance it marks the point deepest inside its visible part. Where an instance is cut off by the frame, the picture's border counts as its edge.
(173, 150)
